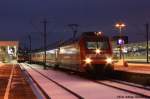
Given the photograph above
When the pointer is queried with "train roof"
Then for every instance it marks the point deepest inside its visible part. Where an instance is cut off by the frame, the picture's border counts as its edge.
(89, 34)
(69, 41)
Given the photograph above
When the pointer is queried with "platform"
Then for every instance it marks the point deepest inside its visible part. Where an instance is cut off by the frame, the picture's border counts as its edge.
(133, 72)
(13, 84)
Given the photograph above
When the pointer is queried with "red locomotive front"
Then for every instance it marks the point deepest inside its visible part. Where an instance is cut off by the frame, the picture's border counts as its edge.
(96, 52)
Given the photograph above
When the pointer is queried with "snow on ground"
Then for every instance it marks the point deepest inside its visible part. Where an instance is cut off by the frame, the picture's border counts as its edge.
(83, 87)
(54, 91)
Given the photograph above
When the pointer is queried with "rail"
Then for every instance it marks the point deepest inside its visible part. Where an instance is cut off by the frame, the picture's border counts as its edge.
(113, 84)
(70, 91)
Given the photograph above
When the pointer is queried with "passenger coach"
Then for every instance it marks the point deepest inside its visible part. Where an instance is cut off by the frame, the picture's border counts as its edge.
(92, 51)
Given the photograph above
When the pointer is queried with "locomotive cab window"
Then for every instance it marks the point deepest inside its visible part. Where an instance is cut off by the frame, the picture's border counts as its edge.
(103, 45)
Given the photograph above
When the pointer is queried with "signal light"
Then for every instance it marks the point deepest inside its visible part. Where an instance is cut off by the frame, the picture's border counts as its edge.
(98, 33)
(109, 60)
(120, 41)
(88, 60)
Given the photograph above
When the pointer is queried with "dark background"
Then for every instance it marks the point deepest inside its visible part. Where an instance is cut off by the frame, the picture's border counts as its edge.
(19, 18)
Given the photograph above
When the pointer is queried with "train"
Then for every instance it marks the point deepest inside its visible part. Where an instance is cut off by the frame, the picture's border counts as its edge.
(22, 57)
(89, 52)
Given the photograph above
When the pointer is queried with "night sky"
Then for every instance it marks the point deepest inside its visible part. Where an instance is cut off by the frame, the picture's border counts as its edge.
(19, 18)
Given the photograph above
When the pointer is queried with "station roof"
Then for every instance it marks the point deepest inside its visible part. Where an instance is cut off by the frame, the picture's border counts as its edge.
(9, 43)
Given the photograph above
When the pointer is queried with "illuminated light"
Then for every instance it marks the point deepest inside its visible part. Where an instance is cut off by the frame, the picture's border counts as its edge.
(88, 60)
(98, 33)
(97, 51)
(109, 60)
(123, 25)
(51, 51)
(124, 50)
(117, 25)
(62, 51)
(120, 25)
(120, 41)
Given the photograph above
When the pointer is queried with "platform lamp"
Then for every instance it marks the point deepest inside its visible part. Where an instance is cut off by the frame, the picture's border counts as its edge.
(120, 25)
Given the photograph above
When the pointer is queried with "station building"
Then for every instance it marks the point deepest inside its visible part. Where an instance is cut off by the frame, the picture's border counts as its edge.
(8, 51)
(135, 51)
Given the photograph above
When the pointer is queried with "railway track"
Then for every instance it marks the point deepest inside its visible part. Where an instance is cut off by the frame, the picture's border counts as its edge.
(138, 91)
(58, 84)
(132, 84)
(145, 90)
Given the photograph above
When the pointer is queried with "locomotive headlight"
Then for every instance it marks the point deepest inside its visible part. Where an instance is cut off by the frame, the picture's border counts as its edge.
(88, 60)
(109, 60)
(97, 51)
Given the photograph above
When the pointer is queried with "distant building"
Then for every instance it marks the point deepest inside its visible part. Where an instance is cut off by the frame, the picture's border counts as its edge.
(8, 51)
(133, 51)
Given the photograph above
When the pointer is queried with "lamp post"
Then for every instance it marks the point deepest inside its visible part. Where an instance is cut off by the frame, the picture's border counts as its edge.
(120, 26)
(45, 41)
(29, 37)
(147, 47)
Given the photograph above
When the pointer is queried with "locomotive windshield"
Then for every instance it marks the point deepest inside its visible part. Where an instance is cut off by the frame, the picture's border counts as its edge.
(92, 45)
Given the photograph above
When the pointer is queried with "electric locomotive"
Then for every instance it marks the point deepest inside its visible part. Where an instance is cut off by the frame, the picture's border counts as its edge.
(91, 51)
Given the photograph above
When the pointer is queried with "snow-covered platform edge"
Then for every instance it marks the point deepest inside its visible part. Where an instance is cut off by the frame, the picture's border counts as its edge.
(38, 91)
